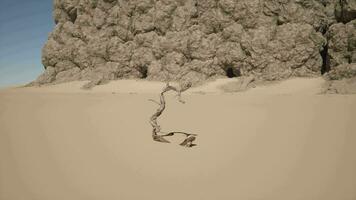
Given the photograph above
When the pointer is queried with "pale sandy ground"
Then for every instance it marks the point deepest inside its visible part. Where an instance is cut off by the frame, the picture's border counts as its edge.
(278, 142)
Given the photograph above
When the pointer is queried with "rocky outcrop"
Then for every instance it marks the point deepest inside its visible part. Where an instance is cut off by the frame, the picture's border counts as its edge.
(344, 71)
(342, 44)
(341, 58)
(195, 40)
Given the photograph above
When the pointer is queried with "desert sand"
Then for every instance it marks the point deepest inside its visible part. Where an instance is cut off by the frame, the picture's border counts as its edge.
(283, 141)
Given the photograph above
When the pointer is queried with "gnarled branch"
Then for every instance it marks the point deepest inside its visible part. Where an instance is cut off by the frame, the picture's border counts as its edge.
(188, 142)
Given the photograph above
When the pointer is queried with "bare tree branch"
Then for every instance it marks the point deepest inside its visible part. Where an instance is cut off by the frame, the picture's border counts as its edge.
(188, 142)
(154, 101)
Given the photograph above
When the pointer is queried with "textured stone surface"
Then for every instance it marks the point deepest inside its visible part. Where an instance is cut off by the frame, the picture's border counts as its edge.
(343, 86)
(343, 71)
(342, 43)
(196, 40)
(345, 10)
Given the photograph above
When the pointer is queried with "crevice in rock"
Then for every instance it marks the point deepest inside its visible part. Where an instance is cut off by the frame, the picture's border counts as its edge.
(73, 15)
(144, 72)
(326, 60)
(323, 28)
(110, 1)
(342, 14)
(232, 72)
(349, 59)
(279, 22)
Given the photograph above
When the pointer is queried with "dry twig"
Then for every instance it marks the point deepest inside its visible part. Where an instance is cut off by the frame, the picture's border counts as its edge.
(188, 142)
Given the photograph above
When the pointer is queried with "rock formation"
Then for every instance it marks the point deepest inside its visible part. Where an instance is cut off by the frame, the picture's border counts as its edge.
(196, 40)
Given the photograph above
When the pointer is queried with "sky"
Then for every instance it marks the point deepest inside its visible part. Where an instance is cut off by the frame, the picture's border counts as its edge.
(24, 29)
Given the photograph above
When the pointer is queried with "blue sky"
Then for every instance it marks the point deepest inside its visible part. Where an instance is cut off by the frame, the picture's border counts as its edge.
(24, 28)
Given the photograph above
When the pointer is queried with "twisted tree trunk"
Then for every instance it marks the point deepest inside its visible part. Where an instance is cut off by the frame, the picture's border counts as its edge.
(188, 142)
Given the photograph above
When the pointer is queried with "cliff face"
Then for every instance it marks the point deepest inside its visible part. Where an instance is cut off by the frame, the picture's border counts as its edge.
(196, 40)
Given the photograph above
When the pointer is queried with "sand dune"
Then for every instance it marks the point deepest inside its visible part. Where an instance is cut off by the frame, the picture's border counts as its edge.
(278, 142)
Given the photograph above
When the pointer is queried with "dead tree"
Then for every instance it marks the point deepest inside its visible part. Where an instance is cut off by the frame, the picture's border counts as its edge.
(188, 142)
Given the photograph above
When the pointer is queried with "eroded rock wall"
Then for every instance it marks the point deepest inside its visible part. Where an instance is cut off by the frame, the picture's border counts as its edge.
(342, 43)
(196, 40)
